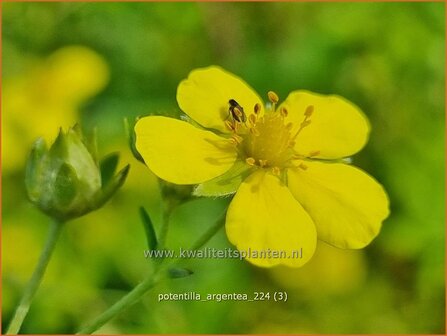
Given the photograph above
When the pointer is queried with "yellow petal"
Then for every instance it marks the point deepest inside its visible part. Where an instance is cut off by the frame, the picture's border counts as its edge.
(337, 127)
(264, 215)
(181, 153)
(204, 96)
(346, 204)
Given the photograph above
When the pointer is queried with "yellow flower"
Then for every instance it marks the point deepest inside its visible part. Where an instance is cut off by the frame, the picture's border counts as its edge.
(46, 97)
(278, 158)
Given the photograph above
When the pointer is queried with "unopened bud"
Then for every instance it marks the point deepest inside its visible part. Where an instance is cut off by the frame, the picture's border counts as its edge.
(65, 181)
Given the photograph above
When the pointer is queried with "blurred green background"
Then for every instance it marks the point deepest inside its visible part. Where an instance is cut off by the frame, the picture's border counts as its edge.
(100, 62)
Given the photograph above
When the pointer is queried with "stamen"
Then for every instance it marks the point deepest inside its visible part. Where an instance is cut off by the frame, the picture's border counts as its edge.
(305, 123)
(302, 166)
(309, 111)
(235, 125)
(314, 153)
(237, 139)
(252, 118)
(297, 157)
(276, 171)
(250, 161)
(254, 131)
(257, 108)
(273, 97)
(238, 112)
(262, 163)
(229, 125)
(289, 126)
(284, 112)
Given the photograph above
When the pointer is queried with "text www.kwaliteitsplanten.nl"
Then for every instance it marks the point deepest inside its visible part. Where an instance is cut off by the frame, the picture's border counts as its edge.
(227, 253)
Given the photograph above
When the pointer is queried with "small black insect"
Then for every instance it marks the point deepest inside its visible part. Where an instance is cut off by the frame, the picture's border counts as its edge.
(236, 111)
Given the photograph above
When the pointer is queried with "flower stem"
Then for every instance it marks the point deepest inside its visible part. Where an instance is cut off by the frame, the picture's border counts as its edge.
(166, 214)
(132, 297)
(140, 290)
(36, 278)
(208, 234)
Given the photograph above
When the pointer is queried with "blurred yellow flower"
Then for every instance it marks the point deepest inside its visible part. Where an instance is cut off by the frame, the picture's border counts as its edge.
(47, 97)
(277, 158)
(331, 271)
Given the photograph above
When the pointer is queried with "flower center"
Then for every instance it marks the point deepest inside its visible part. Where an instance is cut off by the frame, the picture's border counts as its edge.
(266, 141)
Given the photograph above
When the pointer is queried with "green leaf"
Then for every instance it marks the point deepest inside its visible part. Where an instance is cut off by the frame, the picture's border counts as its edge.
(225, 184)
(108, 167)
(177, 272)
(34, 168)
(59, 148)
(109, 189)
(148, 229)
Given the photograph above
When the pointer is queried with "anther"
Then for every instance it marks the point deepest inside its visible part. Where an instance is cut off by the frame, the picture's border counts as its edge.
(302, 166)
(229, 125)
(233, 141)
(284, 112)
(254, 131)
(237, 112)
(314, 153)
(309, 111)
(263, 163)
(252, 118)
(298, 157)
(237, 139)
(273, 97)
(250, 161)
(289, 126)
(257, 108)
(276, 171)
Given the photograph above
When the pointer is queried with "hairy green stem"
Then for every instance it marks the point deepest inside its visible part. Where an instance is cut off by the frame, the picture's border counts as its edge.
(132, 297)
(164, 226)
(36, 278)
(140, 290)
(208, 234)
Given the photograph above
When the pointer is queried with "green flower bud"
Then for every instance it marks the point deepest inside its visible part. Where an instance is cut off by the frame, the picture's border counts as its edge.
(65, 181)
